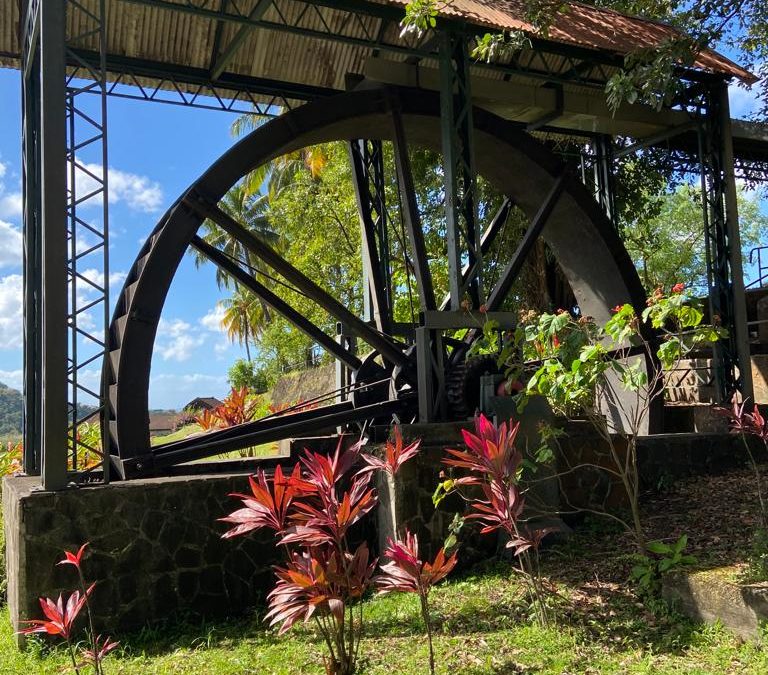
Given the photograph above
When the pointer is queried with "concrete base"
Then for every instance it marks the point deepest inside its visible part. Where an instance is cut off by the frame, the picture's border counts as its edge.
(710, 596)
(155, 549)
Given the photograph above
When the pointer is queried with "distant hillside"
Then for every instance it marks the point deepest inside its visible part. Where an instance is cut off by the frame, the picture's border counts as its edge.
(10, 410)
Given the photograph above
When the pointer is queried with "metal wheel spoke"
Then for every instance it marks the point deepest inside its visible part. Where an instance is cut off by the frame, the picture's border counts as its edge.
(387, 347)
(411, 217)
(515, 265)
(276, 303)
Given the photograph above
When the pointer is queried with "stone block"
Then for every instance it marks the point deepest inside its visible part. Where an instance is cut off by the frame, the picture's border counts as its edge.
(711, 596)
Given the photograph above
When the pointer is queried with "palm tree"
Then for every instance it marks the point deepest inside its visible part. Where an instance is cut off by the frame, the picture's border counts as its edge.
(275, 176)
(243, 318)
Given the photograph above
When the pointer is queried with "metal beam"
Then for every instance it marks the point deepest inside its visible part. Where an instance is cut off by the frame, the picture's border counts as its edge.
(262, 431)
(366, 158)
(460, 177)
(202, 77)
(53, 190)
(512, 270)
(224, 60)
(276, 303)
(386, 347)
(410, 214)
(489, 236)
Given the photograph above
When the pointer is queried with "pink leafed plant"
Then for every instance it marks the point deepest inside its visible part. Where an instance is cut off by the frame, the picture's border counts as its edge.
(747, 422)
(407, 573)
(492, 463)
(311, 511)
(61, 617)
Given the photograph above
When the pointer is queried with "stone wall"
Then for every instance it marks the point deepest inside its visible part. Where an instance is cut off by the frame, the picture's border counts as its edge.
(155, 549)
(155, 544)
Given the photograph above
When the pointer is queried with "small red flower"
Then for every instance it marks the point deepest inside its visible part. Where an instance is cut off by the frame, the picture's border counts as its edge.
(555, 341)
(60, 617)
(103, 647)
(73, 558)
(678, 288)
(616, 309)
(483, 309)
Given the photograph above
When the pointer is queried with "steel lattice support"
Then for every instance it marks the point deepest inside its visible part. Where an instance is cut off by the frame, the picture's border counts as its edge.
(88, 227)
(723, 245)
(66, 271)
(463, 234)
(367, 159)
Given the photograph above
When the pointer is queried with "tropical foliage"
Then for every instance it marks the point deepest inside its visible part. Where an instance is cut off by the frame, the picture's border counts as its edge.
(325, 576)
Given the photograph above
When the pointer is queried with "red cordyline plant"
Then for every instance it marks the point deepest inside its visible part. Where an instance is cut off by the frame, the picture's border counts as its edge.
(61, 617)
(493, 465)
(235, 409)
(311, 511)
(749, 423)
(408, 574)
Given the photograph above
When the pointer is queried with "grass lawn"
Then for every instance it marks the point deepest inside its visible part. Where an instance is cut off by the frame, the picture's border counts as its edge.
(264, 450)
(482, 621)
(482, 627)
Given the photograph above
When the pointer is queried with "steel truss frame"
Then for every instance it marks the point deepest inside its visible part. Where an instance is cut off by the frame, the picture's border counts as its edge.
(53, 64)
(66, 261)
(732, 366)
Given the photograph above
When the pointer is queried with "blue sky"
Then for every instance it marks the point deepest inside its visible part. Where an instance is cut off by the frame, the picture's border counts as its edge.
(155, 151)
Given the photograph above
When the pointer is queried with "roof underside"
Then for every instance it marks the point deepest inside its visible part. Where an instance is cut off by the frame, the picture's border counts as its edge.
(317, 43)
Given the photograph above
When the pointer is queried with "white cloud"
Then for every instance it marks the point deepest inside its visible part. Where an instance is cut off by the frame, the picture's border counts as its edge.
(176, 340)
(11, 311)
(10, 205)
(97, 277)
(10, 245)
(12, 378)
(10, 202)
(743, 102)
(212, 320)
(140, 193)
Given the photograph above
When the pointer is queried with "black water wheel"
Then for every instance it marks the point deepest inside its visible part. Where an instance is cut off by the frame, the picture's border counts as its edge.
(588, 250)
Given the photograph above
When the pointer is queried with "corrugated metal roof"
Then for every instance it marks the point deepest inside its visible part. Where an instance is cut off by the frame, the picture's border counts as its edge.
(584, 26)
(185, 39)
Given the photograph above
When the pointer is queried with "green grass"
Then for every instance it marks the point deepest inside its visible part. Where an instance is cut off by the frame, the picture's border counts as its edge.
(481, 628)
(265, 450)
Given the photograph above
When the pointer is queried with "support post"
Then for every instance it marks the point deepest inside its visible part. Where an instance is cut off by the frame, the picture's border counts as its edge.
(343, 371)
(32, 271)
(732, 365)
(430, 374)
(367, 160)
(52, 246)
(463, 234)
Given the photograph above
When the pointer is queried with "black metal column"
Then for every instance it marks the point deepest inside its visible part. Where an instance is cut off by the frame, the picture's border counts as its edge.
(462, 231)
(367, 159)
(732, 367)
(30, 99)
(87, 227)
(49, 235)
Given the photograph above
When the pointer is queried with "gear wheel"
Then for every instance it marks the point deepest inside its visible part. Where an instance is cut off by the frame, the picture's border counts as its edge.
(463, 384)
